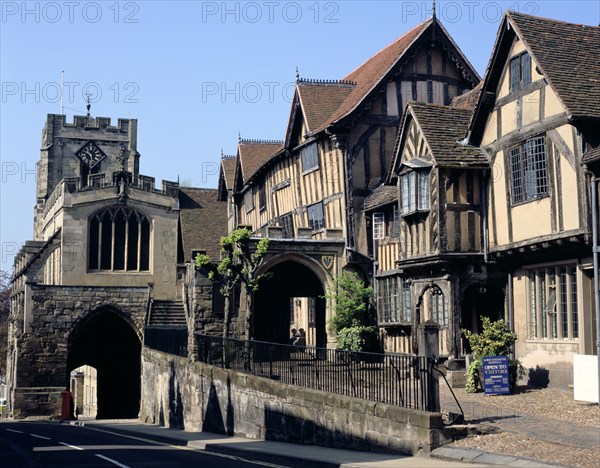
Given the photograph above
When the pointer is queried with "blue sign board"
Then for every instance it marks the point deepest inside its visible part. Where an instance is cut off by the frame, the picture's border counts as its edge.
(495, 375)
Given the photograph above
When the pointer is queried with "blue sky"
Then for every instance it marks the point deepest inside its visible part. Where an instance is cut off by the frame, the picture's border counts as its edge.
(195, 73)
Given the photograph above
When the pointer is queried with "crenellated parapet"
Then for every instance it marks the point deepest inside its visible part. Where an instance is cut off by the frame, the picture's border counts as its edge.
(90, 123)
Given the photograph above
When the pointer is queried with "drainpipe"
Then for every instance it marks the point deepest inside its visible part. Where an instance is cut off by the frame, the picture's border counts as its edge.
(511, 310)
(595, 250)
(375, 263)
(484, 216)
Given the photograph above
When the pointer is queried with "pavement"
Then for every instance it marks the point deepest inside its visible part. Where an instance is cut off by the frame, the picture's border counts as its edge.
(281, 453)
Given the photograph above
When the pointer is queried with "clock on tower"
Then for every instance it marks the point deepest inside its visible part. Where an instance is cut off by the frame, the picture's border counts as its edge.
(90, 154)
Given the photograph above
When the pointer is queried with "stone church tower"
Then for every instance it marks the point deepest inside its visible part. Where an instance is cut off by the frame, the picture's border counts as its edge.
(104, 250)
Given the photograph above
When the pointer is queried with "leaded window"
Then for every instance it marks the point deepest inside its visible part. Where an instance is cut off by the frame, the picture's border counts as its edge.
(287, 223)
(378, 226)
(437, 306)
(119, 240)
(414, 192)
(249, 200)
(395, 222)
(552, 302)
(388, 306)
(406, 306)
(315, 216)
(310, 157)
(520, 72)
(528, 170)
(262, 197)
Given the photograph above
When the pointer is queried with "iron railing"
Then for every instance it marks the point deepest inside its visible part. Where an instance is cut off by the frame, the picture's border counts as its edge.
(167, 340)
(394, 379)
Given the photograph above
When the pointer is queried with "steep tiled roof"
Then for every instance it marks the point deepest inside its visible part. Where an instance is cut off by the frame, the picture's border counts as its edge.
(591, 155)
(568, 56)
(469, 99)
(203, 221)
(254, 153)
(370, 73)
(320, 100)
(381, 196)
(443, 127)
(228, 167)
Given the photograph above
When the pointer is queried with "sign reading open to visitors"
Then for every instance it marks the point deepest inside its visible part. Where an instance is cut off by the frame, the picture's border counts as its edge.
(495, 375)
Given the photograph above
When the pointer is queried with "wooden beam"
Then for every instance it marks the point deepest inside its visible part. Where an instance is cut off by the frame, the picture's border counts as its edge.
(511, 139)
(539, 84)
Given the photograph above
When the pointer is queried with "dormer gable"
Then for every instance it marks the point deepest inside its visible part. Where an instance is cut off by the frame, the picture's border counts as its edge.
(226, 175)
(433, 135)
(531, 52)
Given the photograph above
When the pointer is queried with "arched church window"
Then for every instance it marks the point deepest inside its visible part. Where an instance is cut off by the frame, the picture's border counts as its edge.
(119, 240)
(437, 306)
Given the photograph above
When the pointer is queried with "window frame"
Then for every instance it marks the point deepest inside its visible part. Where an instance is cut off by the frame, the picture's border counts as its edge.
(438, 311)
(319, 225)
(262, 198)
(105, 257)
(552, 287)
(518, 64)
(378, 228)
(287, 227)
(249, 200)
(309, 156)
(415, 192)
(529, 180)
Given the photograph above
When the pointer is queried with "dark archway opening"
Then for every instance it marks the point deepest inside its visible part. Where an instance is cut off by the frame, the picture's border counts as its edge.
(108, 343)
(480, 300)
(292, 297)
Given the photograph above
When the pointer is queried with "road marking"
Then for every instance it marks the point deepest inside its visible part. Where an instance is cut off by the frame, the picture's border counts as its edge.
(39, 436)
(69, 445)
(115, 462)
(14, 430)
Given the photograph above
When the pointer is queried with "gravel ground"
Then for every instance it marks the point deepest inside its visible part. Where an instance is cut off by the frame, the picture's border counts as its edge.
(545, 402)
(545, 424)
(515, 444)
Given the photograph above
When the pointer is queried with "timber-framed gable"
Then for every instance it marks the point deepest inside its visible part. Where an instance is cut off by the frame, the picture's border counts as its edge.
(535, 117)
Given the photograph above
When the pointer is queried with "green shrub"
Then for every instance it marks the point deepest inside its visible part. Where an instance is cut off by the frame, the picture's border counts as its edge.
(357, 338)
(350, 318)
(496, 339)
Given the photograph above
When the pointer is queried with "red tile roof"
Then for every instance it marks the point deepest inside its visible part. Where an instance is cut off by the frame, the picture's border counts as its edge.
(319, 100)
(253, 154)
(370, 73)
(228, 164)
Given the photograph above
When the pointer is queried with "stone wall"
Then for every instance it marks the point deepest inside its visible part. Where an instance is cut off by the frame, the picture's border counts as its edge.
(194, 396)
(42, 334)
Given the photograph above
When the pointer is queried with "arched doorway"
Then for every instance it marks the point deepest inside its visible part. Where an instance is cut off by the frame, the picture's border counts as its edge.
(106, 342)
(480, 300)
(291, 297)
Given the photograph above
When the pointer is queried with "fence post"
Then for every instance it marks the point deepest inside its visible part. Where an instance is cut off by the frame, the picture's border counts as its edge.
(428, 336)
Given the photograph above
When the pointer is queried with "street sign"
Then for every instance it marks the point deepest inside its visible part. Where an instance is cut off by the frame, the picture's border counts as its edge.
(495, 375)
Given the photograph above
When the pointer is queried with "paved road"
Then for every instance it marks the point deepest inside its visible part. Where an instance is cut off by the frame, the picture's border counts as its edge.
(29, 444)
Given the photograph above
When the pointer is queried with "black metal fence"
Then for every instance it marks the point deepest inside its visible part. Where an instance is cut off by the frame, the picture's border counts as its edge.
(401, 380)
(167, 340)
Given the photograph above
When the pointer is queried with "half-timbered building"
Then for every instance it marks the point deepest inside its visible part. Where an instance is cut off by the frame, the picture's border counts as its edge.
(537, 117)
(429, 245)
(307, 194)
(487, 210)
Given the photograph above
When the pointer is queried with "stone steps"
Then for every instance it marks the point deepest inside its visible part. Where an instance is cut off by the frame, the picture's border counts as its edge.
(167, 314)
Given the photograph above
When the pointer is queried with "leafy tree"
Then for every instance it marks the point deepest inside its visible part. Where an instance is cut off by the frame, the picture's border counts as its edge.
(238, 265)
(496, 339)
(5, 288)
(350, 314)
